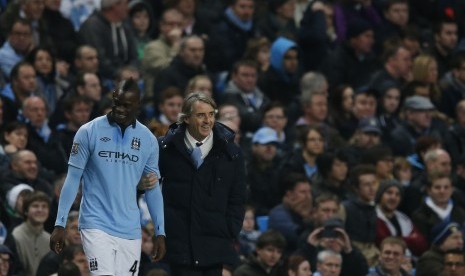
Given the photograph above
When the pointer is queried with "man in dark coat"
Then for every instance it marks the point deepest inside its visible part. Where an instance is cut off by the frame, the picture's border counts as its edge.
(203, 178)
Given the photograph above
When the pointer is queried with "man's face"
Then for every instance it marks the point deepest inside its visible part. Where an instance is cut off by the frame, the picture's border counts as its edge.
(20, 37)
(302, 192)
(390, 199)
(368, 139)
(37, 213)
(92, 88)
(364, 106)
(72, 233)
(201, 121)
(265, 152)
(447, 37)
(80, 260)
(291, 61)
(402, 62)
(5, 263)
(35, 111)
(325, 210)
(80, 114)
(244, 9)
(391, 100)
(269, 255)
(286, 10)
(442, 163)
(331, 266)
(363, 43)
(26, 83)
(318, 108)
(367, 187)
(88, 61)
(193, 52)
(170, 22)
(397, 14)
(275, 118)
(34, 9)
(453, 241)
(420, 118)
(315, 143)
(141, 21)
(26, 165)
(440, 191)
(454, 265)
(125, 107)
(384, 167)
(171, 108)
(391, 258)
(339, 170)
(245, 78)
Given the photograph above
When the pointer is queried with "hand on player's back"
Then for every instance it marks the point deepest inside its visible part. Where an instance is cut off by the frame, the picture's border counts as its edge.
(147, 182)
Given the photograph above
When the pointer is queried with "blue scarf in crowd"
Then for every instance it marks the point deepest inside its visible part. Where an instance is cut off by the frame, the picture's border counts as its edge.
(243, 25)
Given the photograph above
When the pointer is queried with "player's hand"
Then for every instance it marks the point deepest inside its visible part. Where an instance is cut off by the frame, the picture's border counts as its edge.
(147, 182)
(57, 239)
(159, 248)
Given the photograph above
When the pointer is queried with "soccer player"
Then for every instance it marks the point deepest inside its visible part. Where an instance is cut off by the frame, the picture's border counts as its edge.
(110, 154)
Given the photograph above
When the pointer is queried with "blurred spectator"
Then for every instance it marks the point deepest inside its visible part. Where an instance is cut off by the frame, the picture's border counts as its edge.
(396, 18)
(169, 106)
(200, 83)
(258, 50)
(228, 38)
(453, 86)
(425, 70)
(291, 216)
(359, 213)
(283, 74)
(454, 263)
(297, 265)
(365, 103)
(263, 173)
(329, 263)
(15, 201)
(381, 157)
(159, 53)
(392, 252)
(454, 138)
(249, 235)
(388, 109)
(340, 111)
(353, 61)
(267, 257)
(418, 122)
(14, 138)
(445, 33)
(275, 117)
(114, 41)
(42, 140)
(437, 207)
(332, 175)
(392, 222)
(444, 237)
(22, 85)
(30, 234)
(187, 64)
(402, 171)
(195, 21)
(24, 169)
(78, 11)
(242, 92)
(143, 24)
(63, 36)
(279, 21)
(17, 46)
(367, 136)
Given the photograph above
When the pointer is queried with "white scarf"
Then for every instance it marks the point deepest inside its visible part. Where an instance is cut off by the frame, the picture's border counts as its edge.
(406, 226)
(442, 213)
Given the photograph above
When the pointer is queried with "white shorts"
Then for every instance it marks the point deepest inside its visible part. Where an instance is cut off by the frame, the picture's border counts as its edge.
(110, 255)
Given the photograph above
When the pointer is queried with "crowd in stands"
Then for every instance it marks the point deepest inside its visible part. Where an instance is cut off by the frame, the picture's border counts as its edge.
(350, 114)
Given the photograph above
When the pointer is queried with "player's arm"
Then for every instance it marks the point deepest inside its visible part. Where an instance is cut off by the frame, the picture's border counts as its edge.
(67, 197)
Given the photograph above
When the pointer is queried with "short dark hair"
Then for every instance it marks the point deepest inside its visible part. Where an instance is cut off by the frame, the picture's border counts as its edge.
(325, 161)
(424, 143)
(435, 175)
(438, 25)
(168, 93)
(358, 171)
(376, 154)
(273, 105)
(324, 198)
(292, 179)
(394, 240)
(34, 197)
(20, 20)
(14, 74)
(303, 133)
(390, 3)
(10, 127)
(70, 102)
(273, 238)
(245, 63)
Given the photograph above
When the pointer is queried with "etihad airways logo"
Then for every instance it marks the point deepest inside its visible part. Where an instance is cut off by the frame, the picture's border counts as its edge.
(114, 156)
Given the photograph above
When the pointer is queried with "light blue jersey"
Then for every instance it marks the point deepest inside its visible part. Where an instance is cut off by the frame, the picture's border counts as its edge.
(112, 165)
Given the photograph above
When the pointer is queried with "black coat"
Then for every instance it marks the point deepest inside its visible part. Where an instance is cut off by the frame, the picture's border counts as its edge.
(204, 207)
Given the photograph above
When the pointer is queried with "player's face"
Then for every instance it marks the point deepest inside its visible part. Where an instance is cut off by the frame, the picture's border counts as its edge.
(125, 107)
(200, 122)
(37, 212)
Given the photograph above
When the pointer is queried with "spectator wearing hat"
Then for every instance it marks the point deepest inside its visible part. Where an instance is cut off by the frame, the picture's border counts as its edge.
(332, 236)
(359, 214)
(279, 21)
(9, 262)
(444, 237)
(353, 61)
(418, 122)
(437, 206)
(292, 215)
(262, 172)
(392, 253)
(391, 222)
(15, 198)
(367, 135)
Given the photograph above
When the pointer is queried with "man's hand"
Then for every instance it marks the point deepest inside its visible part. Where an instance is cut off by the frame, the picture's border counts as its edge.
(313, 237)
(345, 240)
(147, 182)
(57, 239)
(159, 248)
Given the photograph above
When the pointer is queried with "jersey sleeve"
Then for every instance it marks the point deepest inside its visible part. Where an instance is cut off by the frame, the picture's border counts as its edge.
(80, 151)
(152, 161)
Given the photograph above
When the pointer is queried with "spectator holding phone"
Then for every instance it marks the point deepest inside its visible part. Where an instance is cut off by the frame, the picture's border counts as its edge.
(332, 236)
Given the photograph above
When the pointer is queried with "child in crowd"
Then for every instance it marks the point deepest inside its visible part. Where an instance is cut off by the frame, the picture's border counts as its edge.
(248, 235)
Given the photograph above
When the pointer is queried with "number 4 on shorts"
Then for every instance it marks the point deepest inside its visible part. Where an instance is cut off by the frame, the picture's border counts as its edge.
(133, 268)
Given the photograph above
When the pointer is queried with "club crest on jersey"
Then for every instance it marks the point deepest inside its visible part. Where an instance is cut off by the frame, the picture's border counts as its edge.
(135, 144)
(74, 148)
